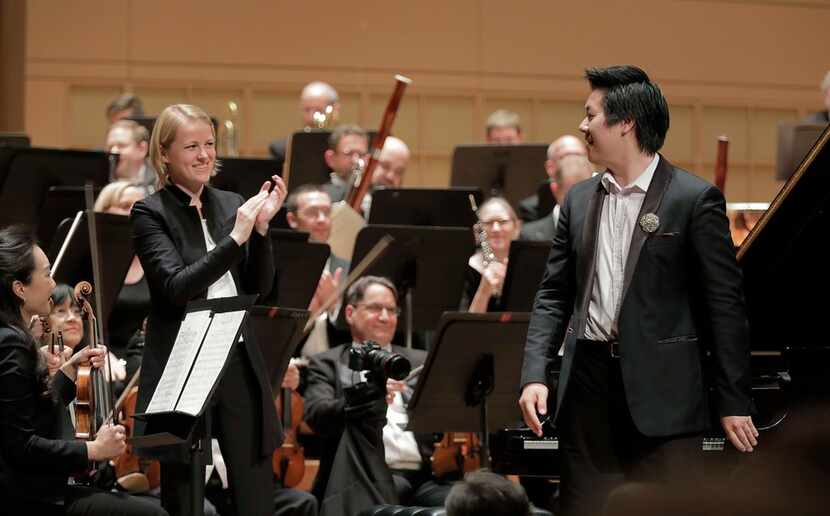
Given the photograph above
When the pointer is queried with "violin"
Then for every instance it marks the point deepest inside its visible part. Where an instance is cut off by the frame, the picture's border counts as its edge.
(133, 473)
(288, 460)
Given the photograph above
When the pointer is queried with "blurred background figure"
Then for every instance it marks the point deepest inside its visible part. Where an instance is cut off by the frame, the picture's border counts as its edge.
(125, 106)
(503, 128)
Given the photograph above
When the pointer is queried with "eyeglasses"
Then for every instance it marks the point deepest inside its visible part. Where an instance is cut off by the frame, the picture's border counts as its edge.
(378, 309)
(314, 212)
(500, 222)
(355, 154)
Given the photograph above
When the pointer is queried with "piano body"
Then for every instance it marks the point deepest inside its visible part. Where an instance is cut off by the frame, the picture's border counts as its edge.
(786, 266)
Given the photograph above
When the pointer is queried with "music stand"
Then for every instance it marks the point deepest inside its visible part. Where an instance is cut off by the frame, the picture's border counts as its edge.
(244, 175)
(795, 139)
(116, 244)
(277, 332)
(526, 264)
(426, 264)
(471, 377)
(61, 203)
(305, 158)
(16, 140)
(447, 207)
(298, 264)
(511, 171)
(30, 173)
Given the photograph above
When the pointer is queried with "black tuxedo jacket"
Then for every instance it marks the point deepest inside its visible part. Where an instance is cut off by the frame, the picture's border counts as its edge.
(328, 375)
(170, 244)
(681, 298)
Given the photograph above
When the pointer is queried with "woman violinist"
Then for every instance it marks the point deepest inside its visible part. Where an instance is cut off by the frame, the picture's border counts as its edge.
(35, 457)
(197, 242)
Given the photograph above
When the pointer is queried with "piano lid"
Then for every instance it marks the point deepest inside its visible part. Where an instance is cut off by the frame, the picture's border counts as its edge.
(786, 262)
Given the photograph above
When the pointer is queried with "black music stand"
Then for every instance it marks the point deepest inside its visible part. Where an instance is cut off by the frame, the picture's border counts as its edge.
(448, 207)
(795, 139)
(305, 157)
(277, 332)
(511, 171)
(16, 140)
(244, 175)
(526, 264)
(298, 264)
(173, 426)
(116, 244)
(426, 264)
(470, 381)
(30, 173)
(61, 203)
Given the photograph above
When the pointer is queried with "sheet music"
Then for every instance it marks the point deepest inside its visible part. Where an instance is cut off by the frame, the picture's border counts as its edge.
(184, 352)
(218, 341)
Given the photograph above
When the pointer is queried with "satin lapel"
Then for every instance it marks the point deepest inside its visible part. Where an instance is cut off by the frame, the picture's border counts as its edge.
(654, 196)
(588, 251)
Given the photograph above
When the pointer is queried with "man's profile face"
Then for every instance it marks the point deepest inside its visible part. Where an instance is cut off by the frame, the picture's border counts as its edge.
(504, 136)
(601, 139)
(313, 216)
(374, 317)
(131, 154)
(350, 148)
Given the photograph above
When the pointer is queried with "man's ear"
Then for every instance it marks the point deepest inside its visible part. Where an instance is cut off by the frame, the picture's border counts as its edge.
(329, 157)
(627, 126)
(349, 314)
(292, 220)
(143, 146)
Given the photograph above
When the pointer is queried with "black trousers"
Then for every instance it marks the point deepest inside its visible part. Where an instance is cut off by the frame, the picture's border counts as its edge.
(236, 422)
(84, 501)
(601, 446)
(420, 488)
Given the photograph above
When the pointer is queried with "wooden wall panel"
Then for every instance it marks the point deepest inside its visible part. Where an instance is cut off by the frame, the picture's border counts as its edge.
(157, 98)
(87, 119)
(679, 145)
(272, 115)
(558, 117)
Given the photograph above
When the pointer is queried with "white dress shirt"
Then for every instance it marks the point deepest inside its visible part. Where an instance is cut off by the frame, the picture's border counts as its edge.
(618, 221)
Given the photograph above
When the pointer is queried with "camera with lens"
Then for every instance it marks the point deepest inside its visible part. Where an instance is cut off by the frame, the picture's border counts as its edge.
(380, 364)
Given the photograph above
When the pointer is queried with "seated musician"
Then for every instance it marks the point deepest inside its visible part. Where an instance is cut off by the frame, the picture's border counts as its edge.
(36, 457)
(561, 148)
(130, 141)
(503, 128)
(347, 144)
(372, 315)
(390, 169)
(124, 106)
(569, 171)
(319, 107)
(485, 274)
(822, 117)
(132, 305)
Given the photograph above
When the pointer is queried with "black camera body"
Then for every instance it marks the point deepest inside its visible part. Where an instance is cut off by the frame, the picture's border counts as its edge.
(381, 364)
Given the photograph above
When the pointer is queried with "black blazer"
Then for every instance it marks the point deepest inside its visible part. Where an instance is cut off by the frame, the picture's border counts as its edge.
(325, 404)
(38, 451)
(170, 244)
(681, 297)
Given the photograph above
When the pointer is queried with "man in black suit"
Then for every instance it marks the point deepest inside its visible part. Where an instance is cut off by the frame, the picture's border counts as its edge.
(641, 284)
(372, 315)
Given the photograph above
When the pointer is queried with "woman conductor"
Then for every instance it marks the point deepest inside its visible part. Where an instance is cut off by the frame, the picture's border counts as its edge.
(197, 242)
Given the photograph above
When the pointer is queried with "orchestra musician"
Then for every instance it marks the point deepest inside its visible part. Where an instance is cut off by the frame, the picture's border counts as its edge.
(130, 141)
(390, 169)
(561, 148)
(822, 117)
(640, 283)
(347, 144)
(317, 98)
(197, 242)
(503, 128)
(372, 315)
(36, 454)
(133, 301)
(485, 275)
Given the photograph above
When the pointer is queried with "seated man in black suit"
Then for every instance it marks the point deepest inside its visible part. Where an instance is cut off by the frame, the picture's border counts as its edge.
(372, 315)
(319, 106)
(822, 117)
(570, 170)
(562, 147)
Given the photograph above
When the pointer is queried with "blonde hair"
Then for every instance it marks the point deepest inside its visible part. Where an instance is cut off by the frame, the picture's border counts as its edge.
(164, 132)
(111, 194)
(500, 201)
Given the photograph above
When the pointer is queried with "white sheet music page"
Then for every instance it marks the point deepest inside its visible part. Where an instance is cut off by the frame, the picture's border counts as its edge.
(218, 341)
(184, 351)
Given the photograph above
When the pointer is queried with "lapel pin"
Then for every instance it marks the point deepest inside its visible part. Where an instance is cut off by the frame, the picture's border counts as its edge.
(649, 222)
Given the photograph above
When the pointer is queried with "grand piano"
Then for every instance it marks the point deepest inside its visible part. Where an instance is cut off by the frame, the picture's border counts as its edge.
(785, 263)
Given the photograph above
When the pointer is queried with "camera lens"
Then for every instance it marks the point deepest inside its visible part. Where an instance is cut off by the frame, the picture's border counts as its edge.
(396, 366)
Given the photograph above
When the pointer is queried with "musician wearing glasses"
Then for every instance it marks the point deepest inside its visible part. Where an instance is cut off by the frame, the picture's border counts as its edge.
(641, 283)
(348, 146)
(372, 315)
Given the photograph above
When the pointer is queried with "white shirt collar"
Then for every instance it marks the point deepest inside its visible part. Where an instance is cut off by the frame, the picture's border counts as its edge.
(641, 183)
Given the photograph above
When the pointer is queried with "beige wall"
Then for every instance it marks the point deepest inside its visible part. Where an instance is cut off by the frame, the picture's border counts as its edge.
(730, 66)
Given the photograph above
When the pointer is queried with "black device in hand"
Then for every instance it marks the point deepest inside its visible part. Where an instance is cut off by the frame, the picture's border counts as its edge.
(366, 399)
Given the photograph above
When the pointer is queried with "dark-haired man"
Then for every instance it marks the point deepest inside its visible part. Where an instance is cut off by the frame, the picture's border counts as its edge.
(372, 315)
(640, 284)
(348, 144)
